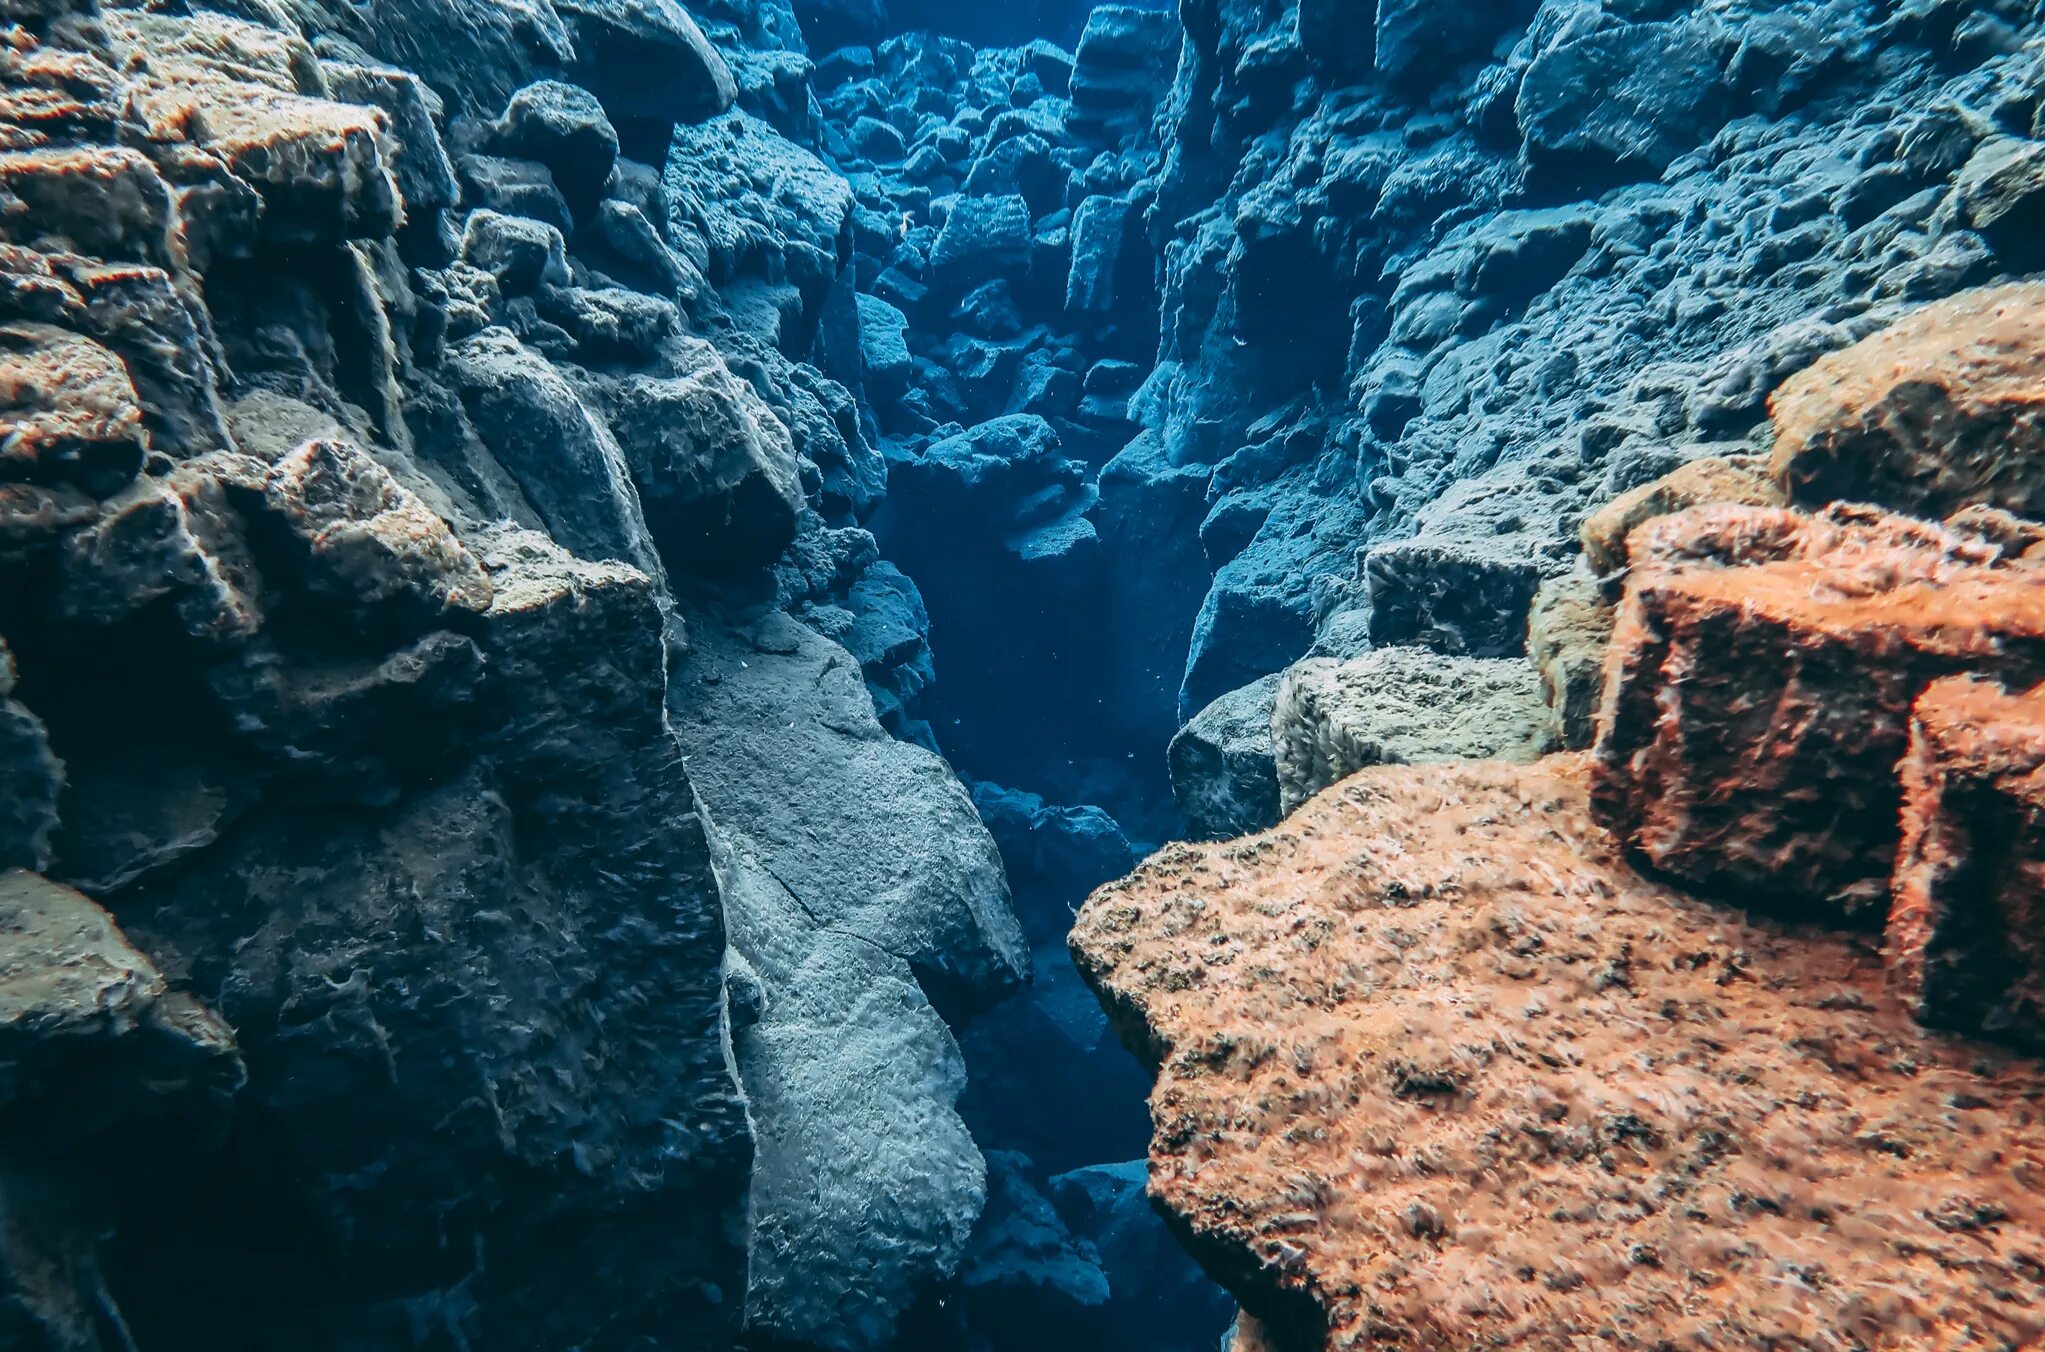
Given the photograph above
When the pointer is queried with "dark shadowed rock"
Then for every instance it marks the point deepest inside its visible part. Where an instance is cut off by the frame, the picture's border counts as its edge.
(1961, 927)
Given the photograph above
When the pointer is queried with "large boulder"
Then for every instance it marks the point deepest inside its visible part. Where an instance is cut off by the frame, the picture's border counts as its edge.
(1622, 102)
(1429, 1056)
(1568, 630)
(1697, 483)
(1964, 923)
(1940, 411)
(649, 62)
(859, 887)
(564, 128)
(1759, 687)
(716, 471)
(1224, 768)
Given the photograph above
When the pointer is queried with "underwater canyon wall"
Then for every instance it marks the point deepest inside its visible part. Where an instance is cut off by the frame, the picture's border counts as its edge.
(584, 584)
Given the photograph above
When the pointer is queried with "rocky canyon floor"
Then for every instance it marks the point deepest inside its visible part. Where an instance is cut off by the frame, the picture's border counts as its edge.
(878, 676)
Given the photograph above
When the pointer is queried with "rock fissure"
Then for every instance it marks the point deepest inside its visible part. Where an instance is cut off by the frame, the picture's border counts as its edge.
(586, 585)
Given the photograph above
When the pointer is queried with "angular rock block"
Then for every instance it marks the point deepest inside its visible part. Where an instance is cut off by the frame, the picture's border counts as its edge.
(1436, 1069)
(1398, 706)
(90, 1031)
(1460, 596)
(1734, 479)
(1943, 410)
(1966, 938)
(563, 128)
(368, 540)
(715, 468)
(1568, 630)
(1622, 102)
(1224, 769)
(1759, 686)
(68, 411)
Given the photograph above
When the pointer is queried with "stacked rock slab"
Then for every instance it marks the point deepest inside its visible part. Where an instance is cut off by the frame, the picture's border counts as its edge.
(1759, 686)
(1436, 1068)
(1964, 926)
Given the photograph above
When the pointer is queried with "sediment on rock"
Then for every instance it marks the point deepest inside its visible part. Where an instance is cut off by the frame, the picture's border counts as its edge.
(1432, 1060)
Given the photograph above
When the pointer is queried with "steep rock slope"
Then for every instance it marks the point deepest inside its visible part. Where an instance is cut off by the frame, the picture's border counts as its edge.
(1421, 318)
(391, 465)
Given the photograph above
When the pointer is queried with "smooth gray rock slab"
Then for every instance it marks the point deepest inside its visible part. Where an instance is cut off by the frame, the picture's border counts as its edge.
(858, 884)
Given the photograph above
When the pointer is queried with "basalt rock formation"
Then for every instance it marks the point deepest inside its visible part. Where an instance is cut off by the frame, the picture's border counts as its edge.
(1510, 1055)
(586, 584)
(404, 506)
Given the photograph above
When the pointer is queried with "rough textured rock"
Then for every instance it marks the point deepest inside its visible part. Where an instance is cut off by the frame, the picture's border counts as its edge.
(1962, 928)
(866, 1184)
(1938, 412)
(1568, 631)
(1224, 766)
(1396, 706)
(106, 1074)
(1431, 1060)
(1698, 483)
(365, 401)
(1800, 643)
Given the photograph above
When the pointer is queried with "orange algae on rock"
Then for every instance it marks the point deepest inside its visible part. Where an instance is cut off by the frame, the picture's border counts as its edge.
(1437, 1069)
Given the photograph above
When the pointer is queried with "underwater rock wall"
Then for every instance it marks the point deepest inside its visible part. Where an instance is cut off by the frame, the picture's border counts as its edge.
(500, 504)
(418, 437)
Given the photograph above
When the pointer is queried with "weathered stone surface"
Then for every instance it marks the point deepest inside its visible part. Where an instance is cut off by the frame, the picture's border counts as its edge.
(1698, 483)
(68, 411)
(175, 537)
(565, 129)
(368, 540)
(1224, 767)
(1940, 411)
(1397, 706)
(1432, 1063)
(1964, 924)
(81, 1010)
(1623, 100)
(715, 469)
(1759, 687)
(1568, 630)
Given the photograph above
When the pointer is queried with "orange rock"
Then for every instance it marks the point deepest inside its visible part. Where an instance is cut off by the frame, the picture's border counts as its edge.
(1944, 409)
(1436, 1070)
(1740, 479)
(1966, 939)
(1759, 685)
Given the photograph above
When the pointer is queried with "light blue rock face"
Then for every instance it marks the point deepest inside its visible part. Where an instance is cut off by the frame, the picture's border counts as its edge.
(866, 1183)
